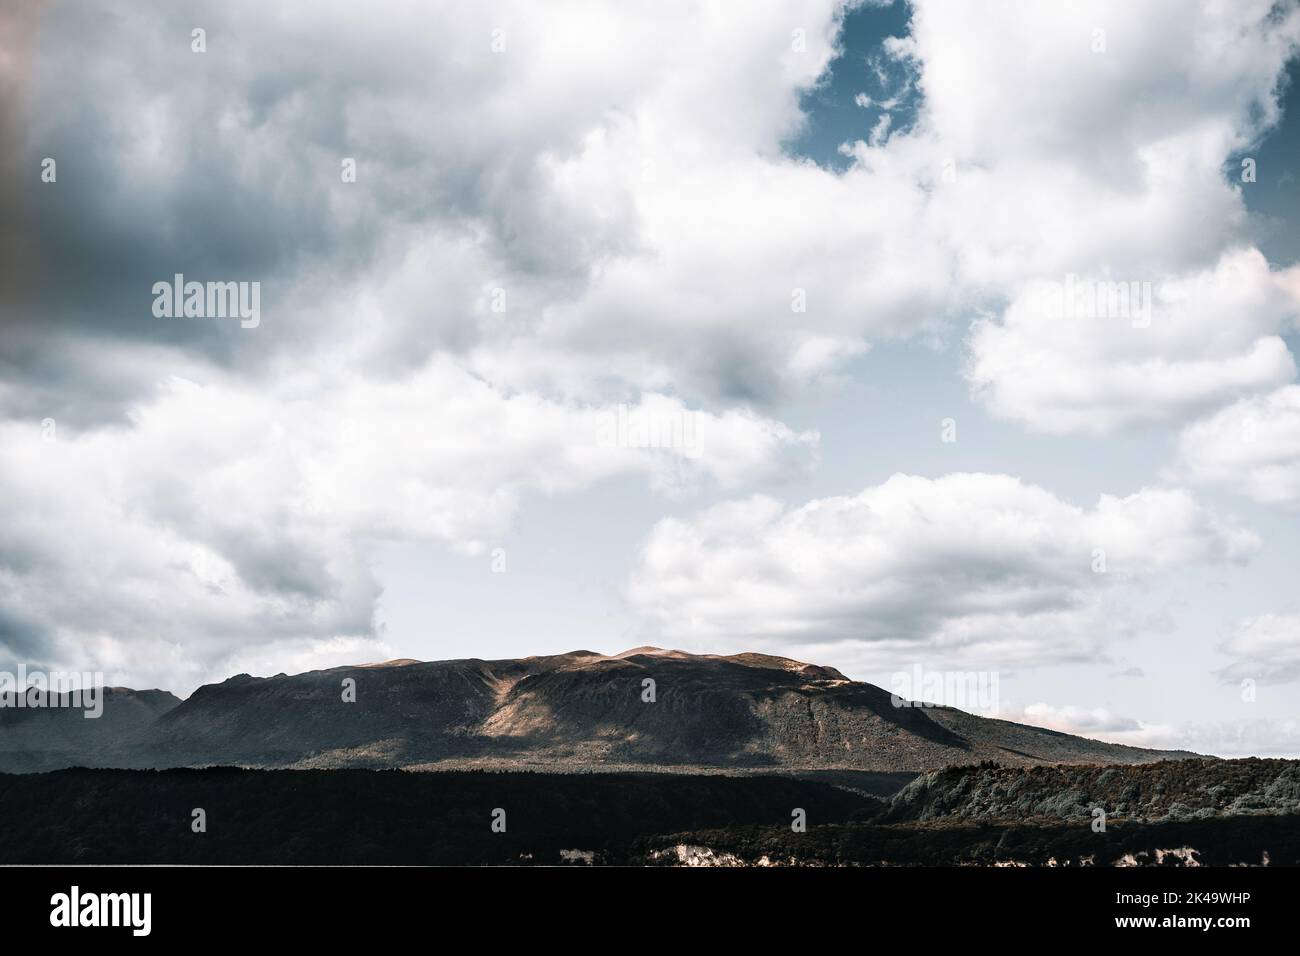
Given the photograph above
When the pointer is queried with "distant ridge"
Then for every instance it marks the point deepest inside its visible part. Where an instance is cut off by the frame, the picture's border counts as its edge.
(576, 711)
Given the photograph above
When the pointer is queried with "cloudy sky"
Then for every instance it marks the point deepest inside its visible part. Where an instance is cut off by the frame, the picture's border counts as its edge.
(781, 326)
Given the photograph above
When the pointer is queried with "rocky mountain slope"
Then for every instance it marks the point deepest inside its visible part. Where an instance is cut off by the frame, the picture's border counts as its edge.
(575, 711)
(1175, 790)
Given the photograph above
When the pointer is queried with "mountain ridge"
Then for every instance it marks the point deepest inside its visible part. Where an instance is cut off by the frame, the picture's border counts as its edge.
(645, 708)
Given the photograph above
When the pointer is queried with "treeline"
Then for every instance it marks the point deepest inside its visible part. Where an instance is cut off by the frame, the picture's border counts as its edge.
(382, 816)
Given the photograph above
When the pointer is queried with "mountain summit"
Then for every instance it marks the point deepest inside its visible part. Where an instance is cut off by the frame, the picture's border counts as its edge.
(646, 708)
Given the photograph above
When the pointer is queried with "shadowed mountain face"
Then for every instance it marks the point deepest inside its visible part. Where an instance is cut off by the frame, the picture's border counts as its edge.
(48, 738)
(574, 711)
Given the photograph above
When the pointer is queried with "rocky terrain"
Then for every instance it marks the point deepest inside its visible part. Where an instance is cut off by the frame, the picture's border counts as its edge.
(1153, 793)
(579, 711)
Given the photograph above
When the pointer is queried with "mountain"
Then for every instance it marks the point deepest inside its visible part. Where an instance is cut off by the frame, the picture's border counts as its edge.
(575, 711)
(47, 738)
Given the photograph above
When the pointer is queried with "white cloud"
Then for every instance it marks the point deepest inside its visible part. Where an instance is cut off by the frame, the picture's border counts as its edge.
(1075, 356)
(222, 516)
(968, 567)
(1078, 720)
(1110, 168)
(1259, 737)
(1094, 175)
(1266, 649)
(1252, 447)
(1253, 737)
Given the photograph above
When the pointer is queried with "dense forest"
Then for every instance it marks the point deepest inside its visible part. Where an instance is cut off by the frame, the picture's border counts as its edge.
(1176, 813)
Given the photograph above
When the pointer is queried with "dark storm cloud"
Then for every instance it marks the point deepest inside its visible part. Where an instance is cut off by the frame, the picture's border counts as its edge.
(225, 166)
(162, 169)
(21, 636)
(17, 28)
(222, 166)
(741, 372)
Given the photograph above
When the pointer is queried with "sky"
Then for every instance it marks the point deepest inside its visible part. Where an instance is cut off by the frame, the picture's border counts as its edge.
(904, 338)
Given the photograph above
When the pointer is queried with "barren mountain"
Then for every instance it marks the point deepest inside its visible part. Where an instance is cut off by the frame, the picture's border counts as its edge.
(573, 711)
